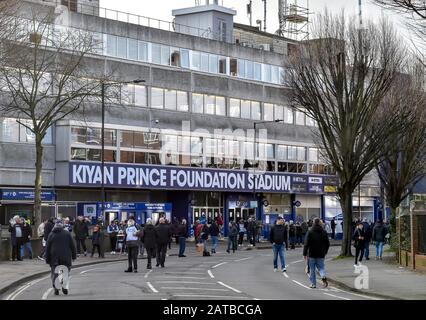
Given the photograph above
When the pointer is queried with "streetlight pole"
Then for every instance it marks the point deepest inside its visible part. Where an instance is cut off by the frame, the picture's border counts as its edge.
(103, 87)
(254, 151)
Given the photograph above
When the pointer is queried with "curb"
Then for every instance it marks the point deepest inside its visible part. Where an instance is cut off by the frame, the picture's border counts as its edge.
(372, 294)
(42, 273)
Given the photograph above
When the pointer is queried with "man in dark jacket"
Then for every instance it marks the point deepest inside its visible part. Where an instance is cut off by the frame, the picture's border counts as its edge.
(379, 234)
(48, 226)
(214, 232)
(149, 239)
(27, 235)
(16, 237)
(314, 251)
(367, 238)
(60, 251)
(251, 231)
(333, 228)
(81, 231)
(164, 235)
(278, 237)
(232, 236)
(182, 232)
(204, 237)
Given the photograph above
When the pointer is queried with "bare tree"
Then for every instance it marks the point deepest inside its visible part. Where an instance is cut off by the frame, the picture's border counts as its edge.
(404, 162)
(45, 79)
(412, 7)
(340, 79)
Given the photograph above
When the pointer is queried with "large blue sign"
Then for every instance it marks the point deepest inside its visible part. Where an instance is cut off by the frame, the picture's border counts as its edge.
(143, 206)
(167, 177)
(25, 195)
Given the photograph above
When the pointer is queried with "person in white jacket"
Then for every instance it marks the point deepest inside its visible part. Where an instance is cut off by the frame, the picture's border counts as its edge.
(132, 243)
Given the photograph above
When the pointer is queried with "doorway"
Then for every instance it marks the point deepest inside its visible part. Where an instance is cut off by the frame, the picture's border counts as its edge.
(206, 213)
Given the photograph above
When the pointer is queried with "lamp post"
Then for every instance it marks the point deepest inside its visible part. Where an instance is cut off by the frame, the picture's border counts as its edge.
(103, 88)
(254, 151)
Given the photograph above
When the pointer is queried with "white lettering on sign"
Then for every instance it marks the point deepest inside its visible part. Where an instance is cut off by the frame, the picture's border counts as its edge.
(316, 180)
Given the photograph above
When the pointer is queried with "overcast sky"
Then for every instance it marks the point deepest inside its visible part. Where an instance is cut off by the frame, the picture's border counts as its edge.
(162, 9)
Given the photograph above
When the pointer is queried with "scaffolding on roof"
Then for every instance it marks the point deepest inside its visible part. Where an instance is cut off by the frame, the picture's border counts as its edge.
(293, 20)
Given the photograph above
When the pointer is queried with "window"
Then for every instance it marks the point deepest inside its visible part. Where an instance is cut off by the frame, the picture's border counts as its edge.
(256, 113)
(156, 53)
(143, 51)
(275, 74)
(184, 145)
(282, 152)
(196, 145)
(313, 154)
(268, 112)
(257, 71)
(213, 63)
(210, 104)
(220, 106)
(310, 121)
(300, 118)
(211, 147)
(78, 154)
(127, 156)
(249, 70)
(127, 91)
(279, 112)
(127, 139)
(196, 60)
(182, 101)
(147, 140)
(288, 115)
(170, 99)
(282, 76)
(234, 108)
(122, 47)
(184, 58)
(170, 143)
(205, 62)
(301, 153)
(248, 150)
(111, 46)
(222, 30)
(94, 154)
(133, 49)
(175, 57)
(157, 98)
(245, 109)
(197, 103)
(94, 136)
(140, 96)
(241, 68)
(78, 135)
(165, 55)
(233, 66)
(266, 76)
(222, 65)
(291, 153)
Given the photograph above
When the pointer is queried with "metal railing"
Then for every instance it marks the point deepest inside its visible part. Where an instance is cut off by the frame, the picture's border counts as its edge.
(237, 38)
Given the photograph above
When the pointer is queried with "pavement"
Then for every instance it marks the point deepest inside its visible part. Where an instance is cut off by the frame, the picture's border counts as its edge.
(222, 276)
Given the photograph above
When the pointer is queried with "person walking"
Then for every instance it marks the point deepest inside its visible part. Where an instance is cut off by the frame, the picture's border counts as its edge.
(60, 251)
(16, 237)
(219, 222)
(182, 232)
(367, 238)
(214, 232)
(81, 231)
(132, 244)
(232, 236)
(149, 239)
(292, 234)
(164, 235)
(241, 232)
(359, 242)
(48, 227)
(299, 238)
(251, 231)
(97, 240)
(378, 237)
(26, 239)
(304, 226)
(204, 238)
(333, 228)
(278, 237)
(40, 235)
(112, 231)
(314, 251)
(196, 231)
(67, 225)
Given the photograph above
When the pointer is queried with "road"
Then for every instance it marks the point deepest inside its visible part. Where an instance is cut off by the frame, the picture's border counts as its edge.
(245, 275)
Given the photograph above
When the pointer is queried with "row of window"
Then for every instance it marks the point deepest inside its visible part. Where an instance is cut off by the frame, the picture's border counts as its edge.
(214, 105)
(132, 49)
(174, 144)
(13, 131)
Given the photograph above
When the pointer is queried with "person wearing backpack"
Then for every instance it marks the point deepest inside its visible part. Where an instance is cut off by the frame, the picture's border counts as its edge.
(278, 237)
(232, 237)
(204, 237)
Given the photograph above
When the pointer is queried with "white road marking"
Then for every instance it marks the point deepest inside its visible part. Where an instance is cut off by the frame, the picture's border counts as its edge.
(229, 287)
(355, 294)
(300, 284)
(176, 277)
(332, 295)
(185, 288)
(210, 274)
(208, 296)
(85, 271)
(46, 294)
(297, 261)
(222, 263)
(151, 287)
(17, 292)
(184, 272)
(243, 259)
(146, 274)
(187, 282)
(285, 274)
